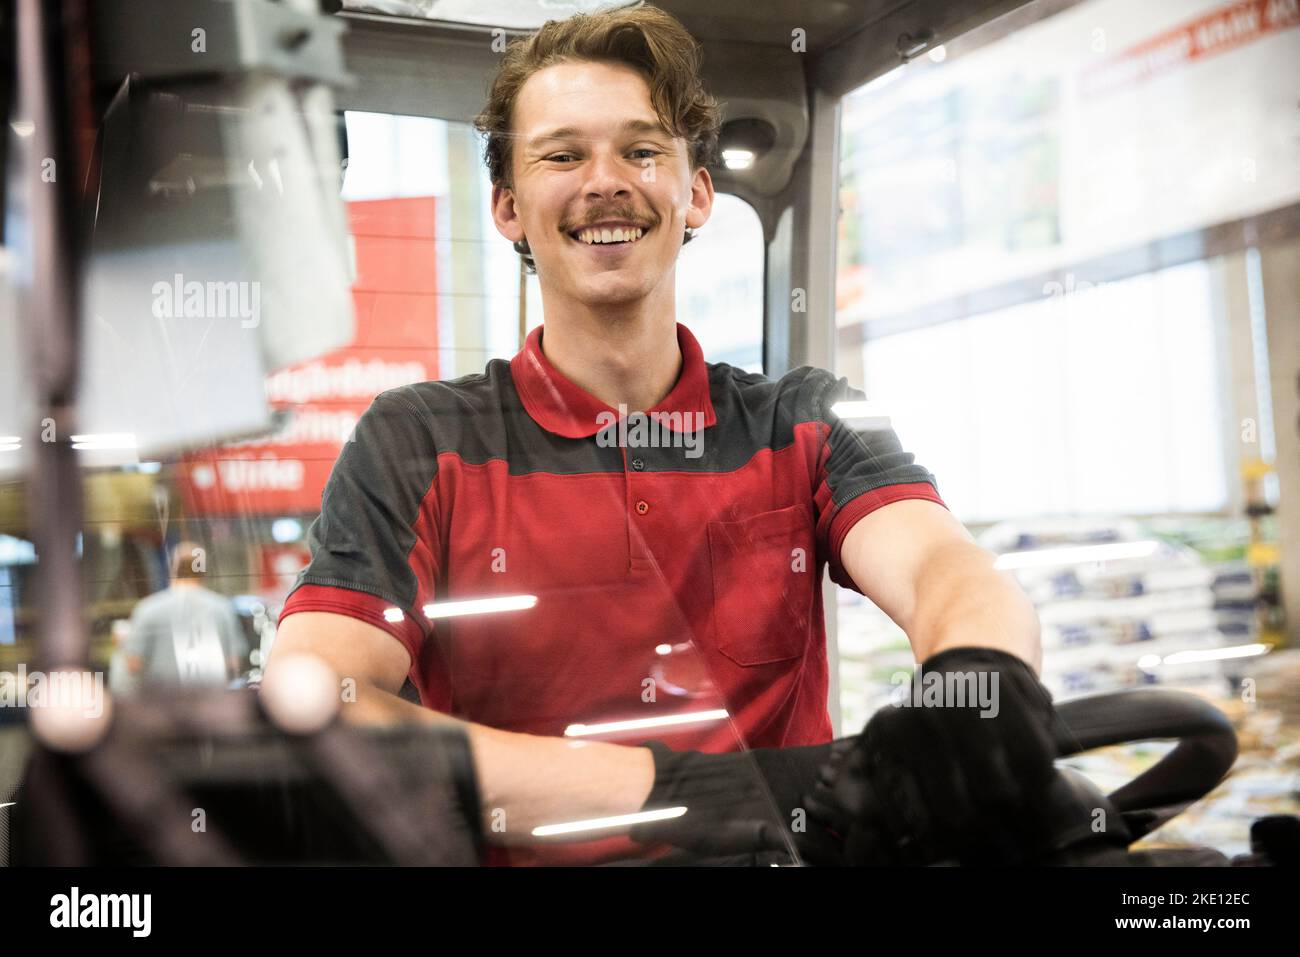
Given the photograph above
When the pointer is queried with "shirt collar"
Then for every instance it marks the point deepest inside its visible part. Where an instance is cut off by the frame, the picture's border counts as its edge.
(561, 407)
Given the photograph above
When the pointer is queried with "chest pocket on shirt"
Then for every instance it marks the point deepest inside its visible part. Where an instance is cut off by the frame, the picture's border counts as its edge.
(764, 572)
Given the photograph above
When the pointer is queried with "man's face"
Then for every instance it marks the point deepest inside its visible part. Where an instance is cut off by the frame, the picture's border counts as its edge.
(591, 162)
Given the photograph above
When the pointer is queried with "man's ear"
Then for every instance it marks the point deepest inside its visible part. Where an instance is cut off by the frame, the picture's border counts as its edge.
(505, 214)
(697, 213)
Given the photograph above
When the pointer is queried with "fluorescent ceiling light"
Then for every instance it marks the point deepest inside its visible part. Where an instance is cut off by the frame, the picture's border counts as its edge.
(604, 823)
(692, 717)
(479, 606)
(104, 440)
(1214, 654)
(1077, 554)
(1151, 662)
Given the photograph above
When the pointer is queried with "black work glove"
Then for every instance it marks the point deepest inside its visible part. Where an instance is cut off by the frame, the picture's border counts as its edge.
(741, 803)
(926, 784)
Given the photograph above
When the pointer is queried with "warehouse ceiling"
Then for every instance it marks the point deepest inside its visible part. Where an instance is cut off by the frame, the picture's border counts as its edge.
(847, 41)
(764, 59)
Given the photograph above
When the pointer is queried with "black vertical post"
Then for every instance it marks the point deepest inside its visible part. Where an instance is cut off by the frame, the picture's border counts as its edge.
(48, 278)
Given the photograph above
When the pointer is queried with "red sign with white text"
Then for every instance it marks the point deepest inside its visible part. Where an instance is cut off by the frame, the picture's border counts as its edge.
(395, 300)
(1218, 31)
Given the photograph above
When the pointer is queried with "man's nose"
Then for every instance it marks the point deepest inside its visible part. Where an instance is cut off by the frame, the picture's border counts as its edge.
(607, 176)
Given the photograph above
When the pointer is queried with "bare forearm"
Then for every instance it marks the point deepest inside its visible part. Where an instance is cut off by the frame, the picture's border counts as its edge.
(527, 781)
(967, 602)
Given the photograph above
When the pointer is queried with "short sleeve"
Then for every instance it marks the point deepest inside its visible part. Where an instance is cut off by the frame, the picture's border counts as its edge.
(375, 544)
(137, 638)
(861, 467)
(233, 639)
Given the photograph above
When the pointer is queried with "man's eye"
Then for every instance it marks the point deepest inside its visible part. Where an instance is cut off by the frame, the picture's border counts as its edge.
(647, 151)
(561, 157)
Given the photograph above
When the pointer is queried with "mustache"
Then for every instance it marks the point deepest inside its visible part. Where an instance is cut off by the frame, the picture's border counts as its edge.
(625, 212)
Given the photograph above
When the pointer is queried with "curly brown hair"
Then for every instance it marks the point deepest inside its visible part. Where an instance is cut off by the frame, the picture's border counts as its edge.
(644, 38)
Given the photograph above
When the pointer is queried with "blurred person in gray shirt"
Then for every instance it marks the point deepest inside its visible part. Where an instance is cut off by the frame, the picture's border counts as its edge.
(186, 634)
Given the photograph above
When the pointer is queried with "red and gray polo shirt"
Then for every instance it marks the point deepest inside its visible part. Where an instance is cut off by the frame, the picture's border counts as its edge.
(669, 564)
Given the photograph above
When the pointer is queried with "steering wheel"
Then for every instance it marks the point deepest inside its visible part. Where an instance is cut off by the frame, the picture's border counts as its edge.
(1206, 750)
(1089, 828)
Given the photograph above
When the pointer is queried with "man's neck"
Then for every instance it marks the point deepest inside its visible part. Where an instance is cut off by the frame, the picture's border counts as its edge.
(627, 357)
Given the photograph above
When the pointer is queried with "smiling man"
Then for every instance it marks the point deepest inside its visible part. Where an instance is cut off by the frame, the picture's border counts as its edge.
(671, 578)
